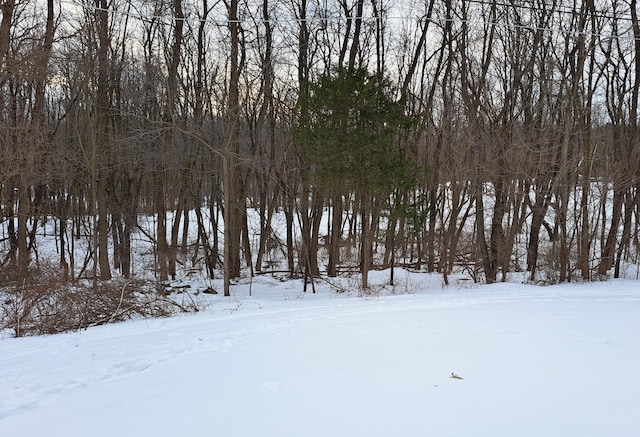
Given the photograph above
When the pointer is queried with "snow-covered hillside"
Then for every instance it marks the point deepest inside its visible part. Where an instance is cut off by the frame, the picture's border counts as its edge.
(534, 361)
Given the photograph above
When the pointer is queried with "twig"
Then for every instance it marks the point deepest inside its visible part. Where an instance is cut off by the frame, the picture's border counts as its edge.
(119, 303)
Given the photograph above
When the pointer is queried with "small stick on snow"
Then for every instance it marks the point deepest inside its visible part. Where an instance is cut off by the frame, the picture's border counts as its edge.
(454, 376)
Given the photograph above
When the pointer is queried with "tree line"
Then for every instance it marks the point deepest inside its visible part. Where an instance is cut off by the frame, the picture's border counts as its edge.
(478, 134)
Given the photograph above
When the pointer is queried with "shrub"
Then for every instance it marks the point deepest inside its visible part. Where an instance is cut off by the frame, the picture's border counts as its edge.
(44, 304)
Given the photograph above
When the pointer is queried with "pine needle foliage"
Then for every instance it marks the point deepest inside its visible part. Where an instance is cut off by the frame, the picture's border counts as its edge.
(348, 133)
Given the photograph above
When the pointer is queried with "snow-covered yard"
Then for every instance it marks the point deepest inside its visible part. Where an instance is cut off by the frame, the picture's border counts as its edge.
(534, 361)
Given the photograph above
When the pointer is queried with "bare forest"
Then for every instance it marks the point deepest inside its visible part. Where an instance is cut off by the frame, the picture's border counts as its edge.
(318, 138)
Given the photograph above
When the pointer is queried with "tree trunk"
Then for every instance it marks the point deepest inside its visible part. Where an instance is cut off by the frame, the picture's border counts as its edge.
(336, 235)
(365, 237)
(161, 230)
(232, 225)
(489, 266)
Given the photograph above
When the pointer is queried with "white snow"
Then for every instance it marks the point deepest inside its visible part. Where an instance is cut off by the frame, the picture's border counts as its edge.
(535, 361)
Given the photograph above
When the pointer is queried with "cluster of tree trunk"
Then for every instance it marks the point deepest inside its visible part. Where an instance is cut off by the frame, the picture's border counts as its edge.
(524, 143)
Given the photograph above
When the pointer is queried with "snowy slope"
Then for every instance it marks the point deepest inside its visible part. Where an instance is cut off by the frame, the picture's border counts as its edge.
(553, 361)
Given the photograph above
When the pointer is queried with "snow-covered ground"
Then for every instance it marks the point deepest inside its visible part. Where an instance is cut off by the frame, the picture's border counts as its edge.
(535, 361)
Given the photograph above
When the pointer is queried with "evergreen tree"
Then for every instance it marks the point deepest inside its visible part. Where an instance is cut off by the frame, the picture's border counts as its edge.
(349, 137)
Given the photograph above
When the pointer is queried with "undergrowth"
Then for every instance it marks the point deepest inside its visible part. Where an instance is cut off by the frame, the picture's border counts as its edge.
(42, 303)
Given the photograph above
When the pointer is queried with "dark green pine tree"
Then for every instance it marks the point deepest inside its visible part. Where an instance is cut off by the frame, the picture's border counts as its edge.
(348, 134)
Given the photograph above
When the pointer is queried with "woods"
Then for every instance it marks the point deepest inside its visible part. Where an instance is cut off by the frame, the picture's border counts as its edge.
(445, 135)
